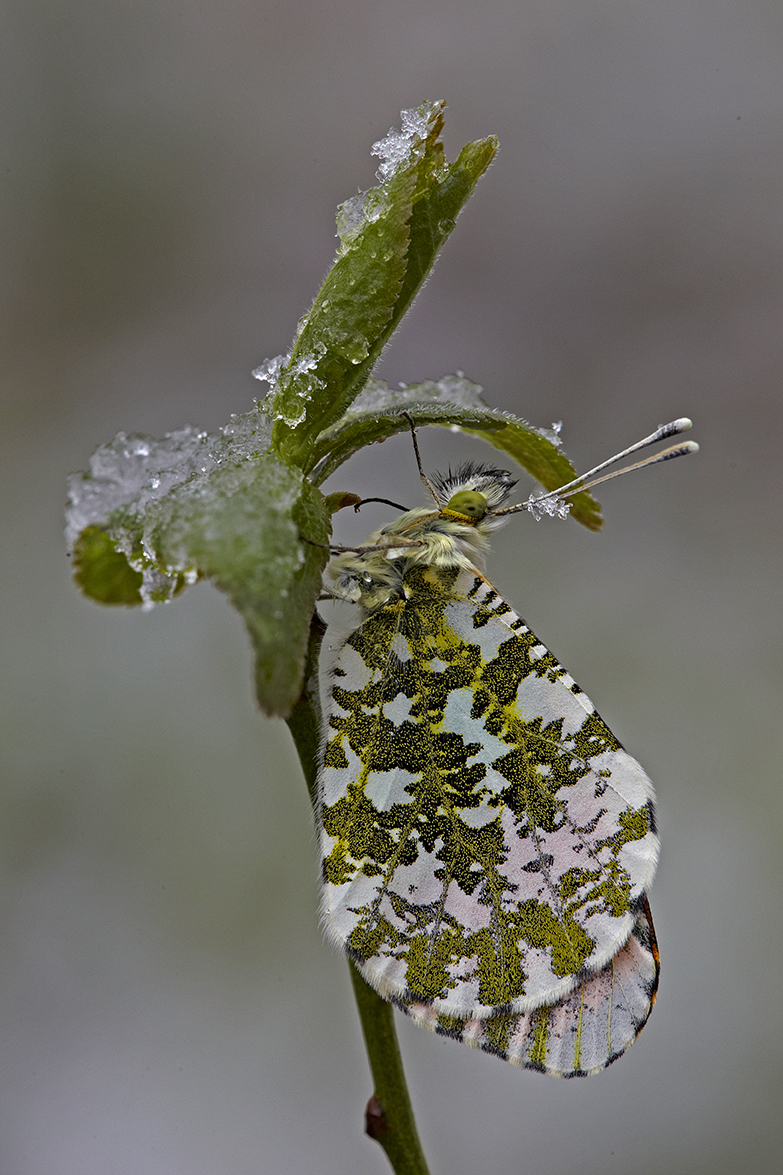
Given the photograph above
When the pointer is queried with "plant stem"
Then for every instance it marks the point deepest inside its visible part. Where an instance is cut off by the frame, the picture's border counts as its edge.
(389, 1118)
(303, 719)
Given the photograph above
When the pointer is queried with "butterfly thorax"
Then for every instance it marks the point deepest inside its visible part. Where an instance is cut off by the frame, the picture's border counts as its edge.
(456, 536)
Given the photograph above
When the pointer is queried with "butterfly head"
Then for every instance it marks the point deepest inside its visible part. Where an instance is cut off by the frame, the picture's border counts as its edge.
(472, 492)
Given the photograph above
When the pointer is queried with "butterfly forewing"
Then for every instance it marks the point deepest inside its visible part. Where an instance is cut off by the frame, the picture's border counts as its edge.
(486, 840)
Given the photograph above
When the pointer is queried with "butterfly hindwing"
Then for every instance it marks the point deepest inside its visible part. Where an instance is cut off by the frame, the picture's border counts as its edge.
(486, 840)
(582, 1033)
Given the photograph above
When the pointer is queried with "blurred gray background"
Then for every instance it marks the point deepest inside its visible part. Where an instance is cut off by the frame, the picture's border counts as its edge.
(171, 172)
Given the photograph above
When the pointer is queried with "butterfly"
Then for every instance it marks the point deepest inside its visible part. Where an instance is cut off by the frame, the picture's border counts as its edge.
(487, 843)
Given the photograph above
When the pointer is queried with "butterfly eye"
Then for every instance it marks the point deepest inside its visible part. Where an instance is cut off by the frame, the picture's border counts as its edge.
(468, 502)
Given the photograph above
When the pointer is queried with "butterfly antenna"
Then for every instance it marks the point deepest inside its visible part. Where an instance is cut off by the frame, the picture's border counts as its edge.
(581, 483)
(422, 474)
(664, 455)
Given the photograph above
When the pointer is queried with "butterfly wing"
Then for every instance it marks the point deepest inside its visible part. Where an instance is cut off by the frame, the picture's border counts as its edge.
(486, 841)
(582, 1033)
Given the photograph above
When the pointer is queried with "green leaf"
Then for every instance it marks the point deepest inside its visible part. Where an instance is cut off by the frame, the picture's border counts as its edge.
(376, 415)
(102, 572)
(450, 401)
(155, 515)
(241, 526)
(390, 239)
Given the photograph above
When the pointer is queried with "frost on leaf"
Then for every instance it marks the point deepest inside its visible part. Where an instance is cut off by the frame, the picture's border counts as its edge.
(300, 373)
(400, 149)
(395, 149)
(553, 433)
(456, 390)
(269, 370)
(132, 472)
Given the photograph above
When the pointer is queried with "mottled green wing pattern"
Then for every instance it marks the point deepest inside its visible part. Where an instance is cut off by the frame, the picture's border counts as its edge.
(582, 1033)
(486, 841)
